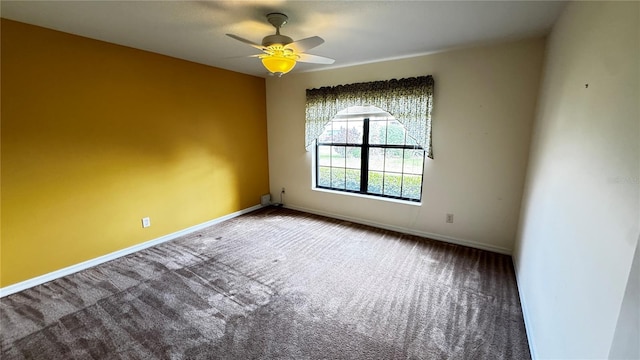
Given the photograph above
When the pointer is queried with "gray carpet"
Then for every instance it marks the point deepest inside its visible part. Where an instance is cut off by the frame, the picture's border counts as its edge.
(276, 284)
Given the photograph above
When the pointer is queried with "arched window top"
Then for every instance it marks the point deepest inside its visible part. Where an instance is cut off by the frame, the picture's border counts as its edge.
(376, 116)
(360, 110)
(409, 100)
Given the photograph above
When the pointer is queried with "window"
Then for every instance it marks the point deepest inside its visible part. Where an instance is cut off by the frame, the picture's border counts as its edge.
(365, 150)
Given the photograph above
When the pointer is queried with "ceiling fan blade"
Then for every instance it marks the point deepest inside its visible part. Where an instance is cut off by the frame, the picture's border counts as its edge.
(248, 42)
(315, 59)
(303, 45)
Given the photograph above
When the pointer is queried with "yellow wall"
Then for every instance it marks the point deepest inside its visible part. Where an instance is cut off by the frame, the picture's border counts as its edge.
(96, 136)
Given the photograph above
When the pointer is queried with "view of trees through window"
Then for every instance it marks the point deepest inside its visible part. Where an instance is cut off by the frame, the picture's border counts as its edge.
(369, 154)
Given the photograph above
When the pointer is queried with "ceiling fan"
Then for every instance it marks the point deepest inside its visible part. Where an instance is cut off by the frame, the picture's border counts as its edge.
(280, 52)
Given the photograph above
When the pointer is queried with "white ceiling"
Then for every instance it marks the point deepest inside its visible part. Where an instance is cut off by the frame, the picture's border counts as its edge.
(355, 31)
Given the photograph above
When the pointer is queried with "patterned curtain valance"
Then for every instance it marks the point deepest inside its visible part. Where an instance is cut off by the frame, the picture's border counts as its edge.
(409, 100)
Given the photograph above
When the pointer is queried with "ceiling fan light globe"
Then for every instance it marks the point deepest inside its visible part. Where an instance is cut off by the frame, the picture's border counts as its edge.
(278, 65)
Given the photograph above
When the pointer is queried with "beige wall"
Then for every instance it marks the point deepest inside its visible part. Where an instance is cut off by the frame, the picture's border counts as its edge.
(581, 206)
(483, 111)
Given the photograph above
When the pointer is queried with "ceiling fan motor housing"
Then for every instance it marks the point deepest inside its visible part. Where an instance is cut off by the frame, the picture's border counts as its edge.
(276, 39)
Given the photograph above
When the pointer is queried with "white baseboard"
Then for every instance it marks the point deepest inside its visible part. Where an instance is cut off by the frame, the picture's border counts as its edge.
(11, 289)
(439, 237)
(525, 313)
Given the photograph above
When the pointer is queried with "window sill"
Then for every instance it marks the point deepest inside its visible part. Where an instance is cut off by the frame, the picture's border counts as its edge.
(371, 197)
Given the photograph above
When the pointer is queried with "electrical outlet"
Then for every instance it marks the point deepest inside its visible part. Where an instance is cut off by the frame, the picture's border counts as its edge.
(450, 218)
(282, 190)
(146, 222)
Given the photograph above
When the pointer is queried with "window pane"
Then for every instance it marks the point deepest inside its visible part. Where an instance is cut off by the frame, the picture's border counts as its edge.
(339, 132)
(393, 160)
(377, 132)
(375, 182)
(337, 156)
(392, 184)
(324, 155)
(411, 186)
(354, 134)
(413, 161)
(337, 178)
(376, 159)
(353, 157)
(395, 133)
(324, 176)
(353, 179)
